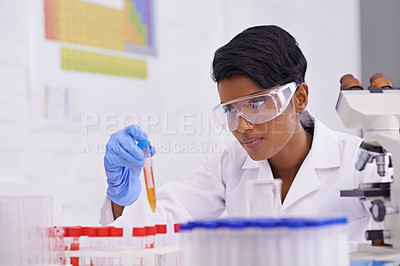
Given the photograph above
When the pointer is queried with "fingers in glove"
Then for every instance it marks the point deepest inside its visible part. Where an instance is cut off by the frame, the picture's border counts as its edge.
(126, 143)
(135, 132)
(114, 158)
(119, 155)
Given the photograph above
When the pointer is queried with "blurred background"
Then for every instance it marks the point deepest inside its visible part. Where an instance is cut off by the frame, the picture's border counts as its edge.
(72, 72)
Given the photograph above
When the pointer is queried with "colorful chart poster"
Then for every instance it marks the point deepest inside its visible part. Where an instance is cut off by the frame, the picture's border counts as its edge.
(128, 30)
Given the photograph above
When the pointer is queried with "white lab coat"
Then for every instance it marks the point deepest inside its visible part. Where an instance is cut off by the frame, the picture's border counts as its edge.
(219, 184)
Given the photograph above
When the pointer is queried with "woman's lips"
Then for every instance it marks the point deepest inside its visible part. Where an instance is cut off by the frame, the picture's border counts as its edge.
(250, 143)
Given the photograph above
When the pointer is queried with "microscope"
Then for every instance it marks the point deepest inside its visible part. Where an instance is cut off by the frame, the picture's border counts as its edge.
(376, 110)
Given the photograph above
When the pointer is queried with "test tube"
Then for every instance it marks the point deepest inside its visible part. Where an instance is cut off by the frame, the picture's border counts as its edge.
(298, 241)
(84, 244)
(148, 173)
(139, 242)
(92, 235)
(102, 242)
(340, 231)
(206, 242)
(139, 239)
(59, 245)
(103, 237)
(323, 242)
(315, 230)
(223, 236)
(263, 198)
(186, 244)
(66, 237)
(151, 235)
(330, 235)
(75, 232)
(177, 241)
(116, 234)
(161, 231)
(236, 255)
(264, 241)
(160, 235)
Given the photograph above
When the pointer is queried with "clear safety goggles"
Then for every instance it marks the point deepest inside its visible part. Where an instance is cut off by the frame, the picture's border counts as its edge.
(256, 108)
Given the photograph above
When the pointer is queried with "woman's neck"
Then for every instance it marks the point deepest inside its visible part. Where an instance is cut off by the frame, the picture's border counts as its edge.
(287, 162)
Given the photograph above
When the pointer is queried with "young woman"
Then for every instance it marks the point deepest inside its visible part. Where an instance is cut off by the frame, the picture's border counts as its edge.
(263, 99)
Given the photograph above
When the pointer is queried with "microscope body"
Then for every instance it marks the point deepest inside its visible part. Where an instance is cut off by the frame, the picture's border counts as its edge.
(377, 112)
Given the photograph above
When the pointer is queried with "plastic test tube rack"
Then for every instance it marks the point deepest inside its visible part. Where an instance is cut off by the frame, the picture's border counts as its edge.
(127, 255)
(108, 246)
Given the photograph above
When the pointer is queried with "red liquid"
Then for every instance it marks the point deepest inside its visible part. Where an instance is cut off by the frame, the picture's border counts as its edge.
(75, 246)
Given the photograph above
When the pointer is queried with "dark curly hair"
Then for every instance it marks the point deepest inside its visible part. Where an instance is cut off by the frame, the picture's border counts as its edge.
(268, 55)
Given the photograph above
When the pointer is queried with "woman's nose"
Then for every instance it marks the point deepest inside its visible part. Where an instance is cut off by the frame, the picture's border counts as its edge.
(244, 125)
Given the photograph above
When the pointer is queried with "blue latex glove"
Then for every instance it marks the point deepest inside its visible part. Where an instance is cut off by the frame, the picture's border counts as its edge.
(123, 162)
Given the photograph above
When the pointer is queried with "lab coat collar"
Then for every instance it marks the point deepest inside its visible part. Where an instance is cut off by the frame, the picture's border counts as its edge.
(250, 163)
(324, 148)
(305, 182)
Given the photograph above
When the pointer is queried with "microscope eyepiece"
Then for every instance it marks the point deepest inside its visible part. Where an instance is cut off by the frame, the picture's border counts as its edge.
(349, 82)
(380, 81)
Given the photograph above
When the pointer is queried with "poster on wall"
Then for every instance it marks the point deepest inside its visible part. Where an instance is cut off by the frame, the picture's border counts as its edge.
(129, 30)
(80, 49)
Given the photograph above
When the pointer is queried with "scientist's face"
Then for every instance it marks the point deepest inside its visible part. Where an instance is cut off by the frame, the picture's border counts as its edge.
(261, 141)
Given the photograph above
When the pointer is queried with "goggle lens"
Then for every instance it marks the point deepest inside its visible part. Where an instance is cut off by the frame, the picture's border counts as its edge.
(256, 109)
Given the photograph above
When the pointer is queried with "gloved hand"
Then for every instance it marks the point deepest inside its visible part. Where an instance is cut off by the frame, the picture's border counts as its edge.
(123, 162)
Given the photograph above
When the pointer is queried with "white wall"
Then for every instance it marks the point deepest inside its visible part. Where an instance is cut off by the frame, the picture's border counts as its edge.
(13, 87)
(188, 33)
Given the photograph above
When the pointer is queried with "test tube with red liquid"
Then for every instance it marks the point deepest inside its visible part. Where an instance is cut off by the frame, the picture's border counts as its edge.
(74, 232)
(148, 173)
(150, 236)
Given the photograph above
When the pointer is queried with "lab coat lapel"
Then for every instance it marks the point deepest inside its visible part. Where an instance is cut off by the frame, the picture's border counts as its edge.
(250, 164)
(325, 150)
(264, 170)
(305, 182)
(324, 154)
(325, 147)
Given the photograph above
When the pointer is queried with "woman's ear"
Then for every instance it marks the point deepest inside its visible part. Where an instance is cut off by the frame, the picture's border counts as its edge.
(300, 97)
